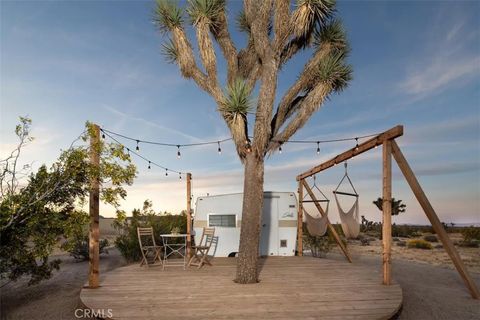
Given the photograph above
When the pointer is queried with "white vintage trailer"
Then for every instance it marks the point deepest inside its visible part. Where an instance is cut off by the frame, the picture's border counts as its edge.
(224, 212)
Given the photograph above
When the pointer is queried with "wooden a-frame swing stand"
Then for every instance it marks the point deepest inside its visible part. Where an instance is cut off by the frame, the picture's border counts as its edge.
(390, 147)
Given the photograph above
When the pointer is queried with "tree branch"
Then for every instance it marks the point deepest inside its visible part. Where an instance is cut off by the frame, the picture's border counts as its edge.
(313, 100)
(304, 80)
(222, 37)
(281, 24)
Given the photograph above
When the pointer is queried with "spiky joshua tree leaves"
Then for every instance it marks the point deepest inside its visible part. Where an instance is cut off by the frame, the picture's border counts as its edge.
(276, 31)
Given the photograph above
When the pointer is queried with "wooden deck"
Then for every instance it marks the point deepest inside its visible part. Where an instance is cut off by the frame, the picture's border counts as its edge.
(290, 288)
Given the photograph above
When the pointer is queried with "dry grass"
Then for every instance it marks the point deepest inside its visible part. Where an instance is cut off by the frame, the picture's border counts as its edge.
(437, 256)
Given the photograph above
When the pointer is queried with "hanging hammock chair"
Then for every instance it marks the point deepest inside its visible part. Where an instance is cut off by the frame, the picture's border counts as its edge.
(317, 226)
(349, 218)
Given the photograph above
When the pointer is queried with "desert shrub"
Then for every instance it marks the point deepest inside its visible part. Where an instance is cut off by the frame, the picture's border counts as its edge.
(430, 238)
(127, 241)
(471, 243)
(419, 244)
(405, 231)
(471, 233)
(320, 245)
(79, 249)
(401, 243)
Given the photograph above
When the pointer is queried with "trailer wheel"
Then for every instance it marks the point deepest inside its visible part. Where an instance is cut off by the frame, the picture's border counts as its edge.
(232, 254)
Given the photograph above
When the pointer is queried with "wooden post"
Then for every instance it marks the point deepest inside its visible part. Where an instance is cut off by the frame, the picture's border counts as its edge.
(94, 233)
(189, 214)
(300, 220)
(432, 216)
(330, 226)
(387, 212)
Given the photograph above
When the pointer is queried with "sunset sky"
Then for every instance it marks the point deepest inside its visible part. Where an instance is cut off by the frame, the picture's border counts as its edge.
(415, 63)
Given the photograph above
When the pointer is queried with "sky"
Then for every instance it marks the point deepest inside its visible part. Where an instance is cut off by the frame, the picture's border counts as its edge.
(416, 63)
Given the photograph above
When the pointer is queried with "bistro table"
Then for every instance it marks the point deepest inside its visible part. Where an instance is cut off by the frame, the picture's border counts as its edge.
(179, 248)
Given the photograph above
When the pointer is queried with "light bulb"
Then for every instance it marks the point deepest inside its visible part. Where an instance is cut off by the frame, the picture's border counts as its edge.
(178, 152)
(318, 147)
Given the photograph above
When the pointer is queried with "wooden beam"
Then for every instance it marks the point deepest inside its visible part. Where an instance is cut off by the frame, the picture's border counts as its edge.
(189, 214)
(387, 212)
(94, 207)
(300, 220)
(434, 220)
(362, 147)
(330, 226)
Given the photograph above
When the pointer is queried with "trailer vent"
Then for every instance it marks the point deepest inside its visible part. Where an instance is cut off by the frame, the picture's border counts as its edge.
(283, 243)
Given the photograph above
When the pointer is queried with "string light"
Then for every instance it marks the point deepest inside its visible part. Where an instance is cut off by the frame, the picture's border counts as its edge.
(150, 163)
(103, 135)
(280, 148)
(247, 146)
(180, 176)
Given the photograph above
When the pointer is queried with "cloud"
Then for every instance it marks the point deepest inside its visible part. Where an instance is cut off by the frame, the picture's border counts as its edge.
(124, 116)
(446, 55)
(441, 73)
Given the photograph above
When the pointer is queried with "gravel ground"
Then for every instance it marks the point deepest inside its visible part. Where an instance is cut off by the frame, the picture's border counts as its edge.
(430, 292)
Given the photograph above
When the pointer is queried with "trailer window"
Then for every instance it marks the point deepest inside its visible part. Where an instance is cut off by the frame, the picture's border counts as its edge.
(222, 220)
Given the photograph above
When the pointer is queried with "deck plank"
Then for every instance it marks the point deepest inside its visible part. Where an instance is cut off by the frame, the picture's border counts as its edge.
(289, 288)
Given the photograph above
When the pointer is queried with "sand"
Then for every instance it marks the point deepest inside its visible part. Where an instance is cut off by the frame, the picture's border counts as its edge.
(430, 292)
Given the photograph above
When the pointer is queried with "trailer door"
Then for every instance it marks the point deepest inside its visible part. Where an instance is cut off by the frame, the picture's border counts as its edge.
(269, 233)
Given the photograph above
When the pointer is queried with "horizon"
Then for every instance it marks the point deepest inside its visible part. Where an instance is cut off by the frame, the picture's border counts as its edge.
(414, 64)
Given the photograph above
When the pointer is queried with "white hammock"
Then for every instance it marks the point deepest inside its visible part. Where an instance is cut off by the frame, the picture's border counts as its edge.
(316, 226)
(349, 219)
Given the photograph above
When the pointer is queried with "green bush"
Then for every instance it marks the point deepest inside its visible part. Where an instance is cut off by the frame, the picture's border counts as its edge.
(318, 245)
(78, 247)
(419, 244)
(430, 238)
(127, 241)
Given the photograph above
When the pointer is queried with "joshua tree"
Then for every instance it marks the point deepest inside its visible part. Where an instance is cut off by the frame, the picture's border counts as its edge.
(397, 206)
(276, 32)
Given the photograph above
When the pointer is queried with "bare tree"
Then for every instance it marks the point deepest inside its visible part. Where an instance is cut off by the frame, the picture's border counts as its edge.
(276, 31)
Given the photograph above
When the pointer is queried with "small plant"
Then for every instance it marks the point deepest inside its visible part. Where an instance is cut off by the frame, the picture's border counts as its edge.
(419, 244)
(401, 243)
(175, 230)
(430, 238)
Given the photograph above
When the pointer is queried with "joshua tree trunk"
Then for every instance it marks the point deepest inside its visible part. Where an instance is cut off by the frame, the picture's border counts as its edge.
(251, 219)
